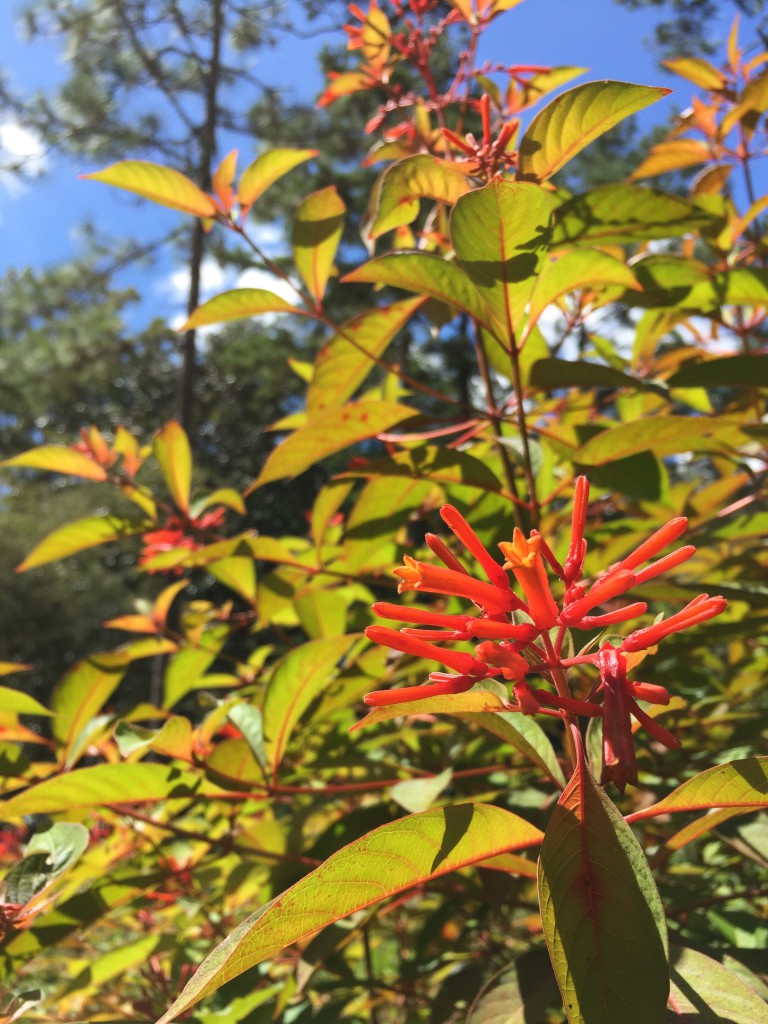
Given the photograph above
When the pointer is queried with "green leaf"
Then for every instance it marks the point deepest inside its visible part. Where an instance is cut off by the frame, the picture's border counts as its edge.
(265, 171)
(500, 233)
(101, 969)
(443, 466)
(416, 795)
(574, 119)
(552, 374)
(82, 534)
(58, 459)
(63, 843)
(521, 994)
(159, 184)
(345, 361)
(602, 917)
(186, 670)
(390, 860)
(624, 214)
(704, 991)
(317, 227)
(173, 738)
(238, 573)
(741, 371)
(20, 703)
(428, 275)
(250, 721)
(297, 679)
(329, 432)
(404, 183)
(663, 436)
(81, 694)
(174, 456)
(239, 304)
(26, 878)
(741, 783)
(582, 268)
(105, 784)
(459, 704)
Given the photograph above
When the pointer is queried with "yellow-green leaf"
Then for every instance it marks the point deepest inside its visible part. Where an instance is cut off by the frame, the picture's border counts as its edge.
(301, 675)
(580, 269)
(238, 573)
(672, 156)
(80, 694)
(427, 274)
(20, 703)
(82, 534)
(741, 783)
(58, 459)
(265, 171)
(472, 702)
(238, 304)
(345, 361)
(594, 880)
(698, 71)
(161, 185)
(500, 233)
(106, 784)
(317, 229)
(330, 432)
(705, 991)
(174, 455)
(409, 180)
(667, 435)
(390, 860)
(574, 119)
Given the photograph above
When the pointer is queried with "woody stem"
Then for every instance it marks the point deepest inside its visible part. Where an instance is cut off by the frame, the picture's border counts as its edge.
(563, 690)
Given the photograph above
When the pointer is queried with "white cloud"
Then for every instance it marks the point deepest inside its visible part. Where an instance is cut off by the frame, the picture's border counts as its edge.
(23, 152)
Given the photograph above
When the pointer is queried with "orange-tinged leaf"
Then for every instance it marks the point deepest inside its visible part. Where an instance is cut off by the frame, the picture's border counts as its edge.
(345, 361)
(226, 496)
(164, 601)
(81, 694)
(161, 185)
(343, 85)
(82, 534)
(472, 702)
(327, 433)
(7, 668)
(698, 71)
(266, 170)
(238, 304)
(58, 459)
(742, 783)
(317, 229)
(574, 119)
(133, 624)
(390, 860)
(671, 156)
(406, 182)
(593, 879)
(223, 176)
(174, 456)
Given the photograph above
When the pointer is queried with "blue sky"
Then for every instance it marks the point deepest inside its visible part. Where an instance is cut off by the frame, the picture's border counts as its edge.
(39, 220)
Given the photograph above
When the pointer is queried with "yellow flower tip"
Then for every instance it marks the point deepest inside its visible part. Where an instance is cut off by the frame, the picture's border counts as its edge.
(522, 552)
(410, 574)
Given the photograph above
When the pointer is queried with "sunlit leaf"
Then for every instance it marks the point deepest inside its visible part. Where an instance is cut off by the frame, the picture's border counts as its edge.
(742, 783)
(317, 227)
(500, 233)
(574, 119)
(588, 269)
(416, 795)
(623, 214)
(664, 436)
(58, 459)
(525, 735)
(389, 860)
(409, 180)
(173, 738)
(82, 693)
(174, 456)
(266, 170)
(63, 843)
(239, 304)
(345, 361)
(106, 784)
(301, 675)
(602, 916)
(471, 702)
(21, 703)
(698, 71)
(82, 534)
(330, 431)
(705, 991)
(428, 275)
(444, 466)
(238, 573)
(161, 185)
(672, 156)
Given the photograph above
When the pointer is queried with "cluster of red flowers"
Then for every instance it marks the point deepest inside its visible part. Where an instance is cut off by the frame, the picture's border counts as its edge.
(178, 532)
(515, 637)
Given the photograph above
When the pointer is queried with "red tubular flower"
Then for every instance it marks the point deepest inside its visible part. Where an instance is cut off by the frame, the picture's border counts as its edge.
(523, 557)
(619, 764)
(603, 589)
(433, 579)
(698, 610)
(406, 694)
(502, 656)
(574, 561)
(459, 661)
(459, 526)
